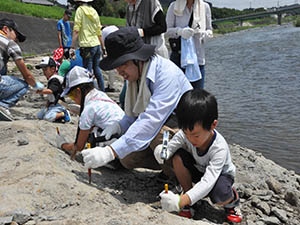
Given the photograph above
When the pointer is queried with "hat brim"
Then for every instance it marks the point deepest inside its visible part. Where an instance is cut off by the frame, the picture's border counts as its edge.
(81, 81)
(21, 37)
(65, 92)
(143, 54)
(40, 66)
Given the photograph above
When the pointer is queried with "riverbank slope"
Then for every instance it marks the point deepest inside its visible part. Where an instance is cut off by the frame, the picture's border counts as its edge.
(40, 184)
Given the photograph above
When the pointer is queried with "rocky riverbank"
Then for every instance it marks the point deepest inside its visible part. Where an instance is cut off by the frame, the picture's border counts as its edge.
(40, 184)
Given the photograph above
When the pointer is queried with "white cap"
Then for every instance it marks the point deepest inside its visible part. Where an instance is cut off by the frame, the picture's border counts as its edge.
(77, 75)
(108, 30)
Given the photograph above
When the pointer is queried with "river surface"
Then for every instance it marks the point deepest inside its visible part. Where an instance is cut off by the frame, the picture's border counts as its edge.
(255, 75)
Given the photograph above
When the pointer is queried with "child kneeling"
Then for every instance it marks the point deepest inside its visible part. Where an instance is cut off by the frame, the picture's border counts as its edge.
(200, 156)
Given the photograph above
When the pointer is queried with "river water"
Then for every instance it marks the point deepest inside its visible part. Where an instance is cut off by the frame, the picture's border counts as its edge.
(255, 75)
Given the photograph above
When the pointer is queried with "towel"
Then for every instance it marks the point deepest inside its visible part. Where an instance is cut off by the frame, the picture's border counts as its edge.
(199, 16)
(137, 97)
(179, 6)
(189, 60)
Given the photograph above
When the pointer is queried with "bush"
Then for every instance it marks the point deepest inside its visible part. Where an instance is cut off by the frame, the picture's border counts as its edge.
(297, 22)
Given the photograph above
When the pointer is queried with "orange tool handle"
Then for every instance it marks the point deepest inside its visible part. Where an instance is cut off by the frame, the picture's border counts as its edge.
(166, 188)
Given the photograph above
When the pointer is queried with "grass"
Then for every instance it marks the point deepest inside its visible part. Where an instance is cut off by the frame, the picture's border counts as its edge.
(51, 12)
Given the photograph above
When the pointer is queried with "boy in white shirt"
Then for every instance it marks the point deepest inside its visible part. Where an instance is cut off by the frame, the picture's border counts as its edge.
(201, 158)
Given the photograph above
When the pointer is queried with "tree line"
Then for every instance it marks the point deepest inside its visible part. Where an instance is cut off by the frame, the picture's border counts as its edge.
(117, 9)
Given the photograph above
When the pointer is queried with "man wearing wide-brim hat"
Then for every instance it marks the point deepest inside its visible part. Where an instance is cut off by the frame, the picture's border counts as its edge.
(155, 86)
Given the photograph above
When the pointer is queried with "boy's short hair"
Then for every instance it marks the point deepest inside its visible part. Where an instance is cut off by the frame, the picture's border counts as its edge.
(196, 106)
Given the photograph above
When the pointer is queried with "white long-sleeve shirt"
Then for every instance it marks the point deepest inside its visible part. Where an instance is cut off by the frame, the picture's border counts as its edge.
(167, 83)
(215, 162)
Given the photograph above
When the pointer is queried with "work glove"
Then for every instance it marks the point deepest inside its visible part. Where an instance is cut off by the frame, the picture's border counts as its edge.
(60, 140)
(169, 201)
(186, 32)
(158, 153)
(206, 34)
(105, 143)
(38, 86)
(114, 128)
(97, 157)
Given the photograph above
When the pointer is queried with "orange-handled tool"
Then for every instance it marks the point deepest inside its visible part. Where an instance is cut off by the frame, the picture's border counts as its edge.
(88, 145)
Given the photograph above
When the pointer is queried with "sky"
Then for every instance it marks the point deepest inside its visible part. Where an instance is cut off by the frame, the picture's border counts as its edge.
(241, 4)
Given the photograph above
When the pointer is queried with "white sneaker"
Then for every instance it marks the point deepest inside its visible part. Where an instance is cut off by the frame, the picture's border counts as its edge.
(5, 114)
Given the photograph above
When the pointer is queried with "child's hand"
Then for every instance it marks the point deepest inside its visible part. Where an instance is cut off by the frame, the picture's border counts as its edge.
(169, 201)
(60, 140)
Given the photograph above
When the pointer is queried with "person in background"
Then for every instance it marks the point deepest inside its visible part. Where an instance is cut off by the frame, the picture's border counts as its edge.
(148, 17)
(53, 111)
(64, 32)
(200, 156)
(58, 56)
(155, 85)
(87, 29)
(11, 87)
(111, 74)
(186, 19)
(97, 110)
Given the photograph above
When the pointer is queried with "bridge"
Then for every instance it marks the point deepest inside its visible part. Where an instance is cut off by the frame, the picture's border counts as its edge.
(295, 9)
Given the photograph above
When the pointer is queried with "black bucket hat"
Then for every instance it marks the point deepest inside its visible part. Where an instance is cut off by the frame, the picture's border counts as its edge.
(123, 45)
(12, 24)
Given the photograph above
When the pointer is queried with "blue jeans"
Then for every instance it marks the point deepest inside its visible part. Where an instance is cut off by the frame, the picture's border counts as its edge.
(91, 62)
(11, 90)
(175, 58)
(49, 113)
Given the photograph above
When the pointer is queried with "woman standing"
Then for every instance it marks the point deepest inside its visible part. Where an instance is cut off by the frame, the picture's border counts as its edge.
(186, 19)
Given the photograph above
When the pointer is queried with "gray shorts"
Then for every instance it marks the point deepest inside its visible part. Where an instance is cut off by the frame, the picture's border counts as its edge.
(222, 190)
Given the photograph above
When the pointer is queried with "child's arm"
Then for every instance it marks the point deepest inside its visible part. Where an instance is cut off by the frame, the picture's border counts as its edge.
(177, 142)
(45, 91)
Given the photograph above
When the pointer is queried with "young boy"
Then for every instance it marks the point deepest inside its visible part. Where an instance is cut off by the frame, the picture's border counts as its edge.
(53, 111)
(200, 156)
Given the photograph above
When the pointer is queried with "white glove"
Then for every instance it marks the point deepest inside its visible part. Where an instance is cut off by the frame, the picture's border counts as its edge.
(169, 201)
(60, 140)
(115, 128)
(157, 154)
(206, 34)
(186, 32)
(97, 157)
(105, 143)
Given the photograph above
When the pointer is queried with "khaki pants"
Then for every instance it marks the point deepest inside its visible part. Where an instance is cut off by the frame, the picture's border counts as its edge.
(145, 158)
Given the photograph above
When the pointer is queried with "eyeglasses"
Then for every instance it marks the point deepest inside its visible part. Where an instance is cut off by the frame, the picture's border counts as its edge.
(72, 94)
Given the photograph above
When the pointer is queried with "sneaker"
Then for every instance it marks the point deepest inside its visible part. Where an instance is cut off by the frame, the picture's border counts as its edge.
(67, 117)
(234, 215)
(5, 114)
(187, 212)
(233, 210)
